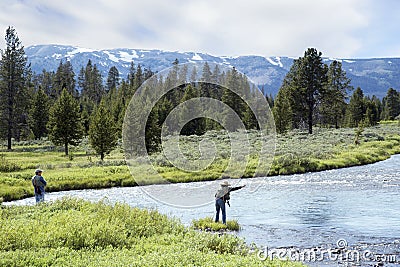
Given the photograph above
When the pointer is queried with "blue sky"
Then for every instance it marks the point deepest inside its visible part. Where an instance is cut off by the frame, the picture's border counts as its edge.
(337, 28)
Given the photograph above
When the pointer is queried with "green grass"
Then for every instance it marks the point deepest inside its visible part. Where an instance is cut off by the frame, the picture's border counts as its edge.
(296, 152)
(389, 122)
(72, 232)
(208, 223)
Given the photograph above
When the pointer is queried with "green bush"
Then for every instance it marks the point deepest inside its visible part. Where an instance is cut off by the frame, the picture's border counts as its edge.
(208, 223)
(6, 166)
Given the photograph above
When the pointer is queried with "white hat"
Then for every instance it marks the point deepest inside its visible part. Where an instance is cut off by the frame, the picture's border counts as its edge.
(225, 183)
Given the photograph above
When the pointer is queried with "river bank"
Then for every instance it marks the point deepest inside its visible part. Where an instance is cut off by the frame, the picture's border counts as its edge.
(296, 152)
(72, 232)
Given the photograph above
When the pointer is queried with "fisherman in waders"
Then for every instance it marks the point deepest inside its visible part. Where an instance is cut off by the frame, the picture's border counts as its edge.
(39, 183)
(223, 196)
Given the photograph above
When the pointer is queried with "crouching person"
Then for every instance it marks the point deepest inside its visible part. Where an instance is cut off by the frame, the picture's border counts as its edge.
(39, 183)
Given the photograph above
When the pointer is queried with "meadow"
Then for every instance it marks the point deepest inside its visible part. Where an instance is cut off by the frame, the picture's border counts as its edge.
(72, 232)
(296, 152)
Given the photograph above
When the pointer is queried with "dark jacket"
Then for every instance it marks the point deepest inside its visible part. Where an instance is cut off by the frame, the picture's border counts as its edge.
(223, 192)
(38, 183)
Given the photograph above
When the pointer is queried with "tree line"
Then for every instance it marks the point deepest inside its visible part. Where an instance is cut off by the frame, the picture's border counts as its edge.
(65, 107)
(313, 93)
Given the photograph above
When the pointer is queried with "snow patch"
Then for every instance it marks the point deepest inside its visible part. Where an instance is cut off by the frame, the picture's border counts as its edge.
(275, 63)
(390, 62)
(126, 57)
(79, 50)
(197, 57)
(348, 61)
(111, 56)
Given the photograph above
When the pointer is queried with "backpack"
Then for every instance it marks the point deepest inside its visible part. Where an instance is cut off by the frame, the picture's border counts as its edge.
(224, 194)
(37, 183)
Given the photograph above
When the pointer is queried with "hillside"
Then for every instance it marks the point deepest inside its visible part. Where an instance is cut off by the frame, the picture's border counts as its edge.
(374, 76)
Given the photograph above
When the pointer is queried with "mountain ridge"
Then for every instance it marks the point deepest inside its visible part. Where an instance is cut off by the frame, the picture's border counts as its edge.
(374, 75)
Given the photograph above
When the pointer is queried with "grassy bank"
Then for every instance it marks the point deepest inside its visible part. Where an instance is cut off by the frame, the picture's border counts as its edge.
(208, 224)
(72, 232)
(296, 152)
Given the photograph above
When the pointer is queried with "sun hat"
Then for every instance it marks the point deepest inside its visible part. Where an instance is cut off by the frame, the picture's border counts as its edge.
(225, 183)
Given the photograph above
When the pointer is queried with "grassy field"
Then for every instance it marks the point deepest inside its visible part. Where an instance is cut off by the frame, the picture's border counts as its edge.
(296, 152)
(71, 232)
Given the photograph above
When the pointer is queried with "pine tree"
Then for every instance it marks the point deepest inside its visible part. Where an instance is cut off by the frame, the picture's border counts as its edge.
(153, 132)
(85, 120)
(356, 109)
(195, 126)
(138, 80)
(91, 82)
(44, 81)
(103, 135)
(371, 117)
(378, 104)
(391, 107)
(65, 127)
(39, 114)
(289, 110)
(232, 99)
(206, 86)
(131, 74)
(304, 88)
(282, 112)
(309, 84)
(13, 91)
(183, 74)
(112, 78)
(65, 79)
(333, 103)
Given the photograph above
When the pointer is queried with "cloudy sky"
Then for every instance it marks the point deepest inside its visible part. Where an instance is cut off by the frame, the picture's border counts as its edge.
(337, 28)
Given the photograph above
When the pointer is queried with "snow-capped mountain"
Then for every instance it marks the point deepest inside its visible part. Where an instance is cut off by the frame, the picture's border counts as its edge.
(374, 76)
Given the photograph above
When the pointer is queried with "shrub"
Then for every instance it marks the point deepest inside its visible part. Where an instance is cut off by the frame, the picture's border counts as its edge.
(6, 166)
(208, 223)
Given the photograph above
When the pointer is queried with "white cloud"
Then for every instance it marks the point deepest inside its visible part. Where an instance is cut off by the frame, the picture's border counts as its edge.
(285, 27)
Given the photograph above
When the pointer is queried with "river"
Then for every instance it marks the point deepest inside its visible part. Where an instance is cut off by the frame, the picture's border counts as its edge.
(353, 211)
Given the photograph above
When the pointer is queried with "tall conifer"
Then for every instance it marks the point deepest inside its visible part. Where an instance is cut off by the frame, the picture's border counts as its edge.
(13, 91)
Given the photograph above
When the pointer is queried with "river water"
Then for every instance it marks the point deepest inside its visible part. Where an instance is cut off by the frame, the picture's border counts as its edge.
(352, 211)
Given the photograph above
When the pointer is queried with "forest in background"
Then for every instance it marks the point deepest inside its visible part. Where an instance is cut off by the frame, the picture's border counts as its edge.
(65, 107)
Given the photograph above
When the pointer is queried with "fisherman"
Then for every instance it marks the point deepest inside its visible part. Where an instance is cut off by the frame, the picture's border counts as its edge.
(39, 183)
(223, 196)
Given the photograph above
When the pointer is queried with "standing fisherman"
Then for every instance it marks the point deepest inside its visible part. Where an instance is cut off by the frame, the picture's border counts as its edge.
(223, 196)
(39, 183)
